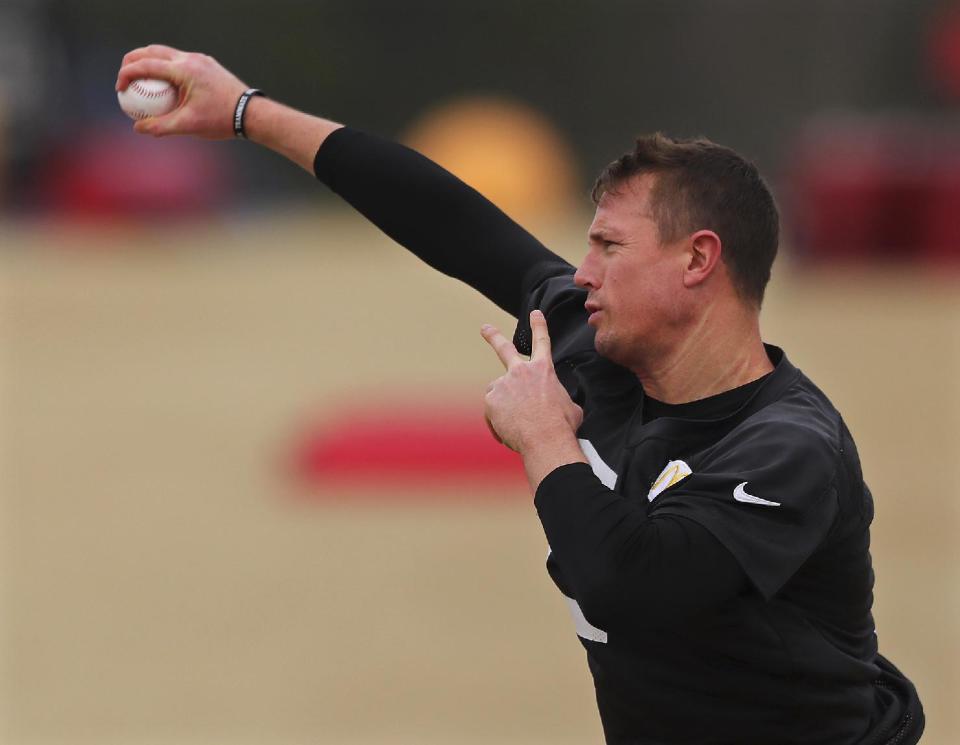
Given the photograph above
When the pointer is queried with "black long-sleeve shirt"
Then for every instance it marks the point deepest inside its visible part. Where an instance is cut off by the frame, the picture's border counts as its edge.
(649, 572)
(709, 614)
(432, 213)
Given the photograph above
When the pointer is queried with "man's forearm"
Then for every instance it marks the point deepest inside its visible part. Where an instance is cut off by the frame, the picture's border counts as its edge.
(291, 133)
(548, 452)
(431, 212)
(412, 199)
(626, 570)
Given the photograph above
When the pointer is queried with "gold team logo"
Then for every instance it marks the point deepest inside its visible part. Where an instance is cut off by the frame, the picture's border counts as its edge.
(676, 470)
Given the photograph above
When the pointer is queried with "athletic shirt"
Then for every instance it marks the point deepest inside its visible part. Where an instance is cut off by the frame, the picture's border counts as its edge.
(771, 472)
(714, 554)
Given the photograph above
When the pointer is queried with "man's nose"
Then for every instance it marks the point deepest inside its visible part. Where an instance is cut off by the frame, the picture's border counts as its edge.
(586, 276)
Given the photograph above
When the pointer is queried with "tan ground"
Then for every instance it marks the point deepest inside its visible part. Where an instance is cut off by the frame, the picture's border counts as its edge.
(163, 586)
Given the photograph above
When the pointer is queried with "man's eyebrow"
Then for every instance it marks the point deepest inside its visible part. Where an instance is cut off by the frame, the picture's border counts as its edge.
(602, 235)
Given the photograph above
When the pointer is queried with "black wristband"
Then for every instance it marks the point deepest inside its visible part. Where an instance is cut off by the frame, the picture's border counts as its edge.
(241, 109)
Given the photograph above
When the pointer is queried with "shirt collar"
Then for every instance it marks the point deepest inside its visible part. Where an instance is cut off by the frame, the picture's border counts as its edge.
(774, 385)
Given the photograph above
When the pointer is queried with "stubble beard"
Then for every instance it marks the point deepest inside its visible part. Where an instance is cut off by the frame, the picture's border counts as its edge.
(618, 351)
(607, 347)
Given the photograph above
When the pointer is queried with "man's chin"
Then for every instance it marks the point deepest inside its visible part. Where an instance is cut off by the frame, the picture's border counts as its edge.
(604, 347)
(610, 350)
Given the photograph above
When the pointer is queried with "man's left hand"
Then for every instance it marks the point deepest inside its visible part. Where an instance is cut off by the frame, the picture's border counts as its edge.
(527, 405)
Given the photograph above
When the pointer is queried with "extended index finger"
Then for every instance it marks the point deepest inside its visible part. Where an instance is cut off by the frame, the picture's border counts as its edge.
(505, 350)
(541, 337)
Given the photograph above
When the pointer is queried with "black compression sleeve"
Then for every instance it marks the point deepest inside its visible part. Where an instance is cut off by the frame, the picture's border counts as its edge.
(432, 213)
(624, 569)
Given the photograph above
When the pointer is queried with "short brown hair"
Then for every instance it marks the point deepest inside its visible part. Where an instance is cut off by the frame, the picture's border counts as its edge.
(704, 186)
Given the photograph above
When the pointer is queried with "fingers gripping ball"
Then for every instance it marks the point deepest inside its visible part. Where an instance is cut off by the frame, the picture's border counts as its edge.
(147, 97)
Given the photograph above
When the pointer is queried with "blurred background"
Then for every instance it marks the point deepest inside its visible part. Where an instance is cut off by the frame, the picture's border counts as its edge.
(247, 493)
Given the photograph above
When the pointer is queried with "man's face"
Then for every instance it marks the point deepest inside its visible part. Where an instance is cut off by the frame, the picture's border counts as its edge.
(636, 294)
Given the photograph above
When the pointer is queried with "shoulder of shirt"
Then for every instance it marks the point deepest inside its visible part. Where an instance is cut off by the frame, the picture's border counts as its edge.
(554, 275)
(802, 427)
(549, 287)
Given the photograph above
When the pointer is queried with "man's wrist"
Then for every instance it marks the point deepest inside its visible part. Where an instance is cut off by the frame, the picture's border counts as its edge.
(550, 434)
(255, 118)
(548, 448)
(289, 132)
(240, 110)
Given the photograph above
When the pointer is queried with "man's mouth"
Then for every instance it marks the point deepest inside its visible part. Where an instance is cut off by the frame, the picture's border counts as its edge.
(593, 309)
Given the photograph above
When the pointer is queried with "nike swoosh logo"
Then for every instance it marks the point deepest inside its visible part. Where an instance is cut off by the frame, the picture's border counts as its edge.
(741, 495)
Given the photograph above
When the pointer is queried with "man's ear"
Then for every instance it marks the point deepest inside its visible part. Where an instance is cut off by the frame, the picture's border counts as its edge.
(703, 255)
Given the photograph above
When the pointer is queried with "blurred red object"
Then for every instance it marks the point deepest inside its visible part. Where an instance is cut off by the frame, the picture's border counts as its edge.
(943, 50)
(403, 446)
(867, 189)
(112, 172)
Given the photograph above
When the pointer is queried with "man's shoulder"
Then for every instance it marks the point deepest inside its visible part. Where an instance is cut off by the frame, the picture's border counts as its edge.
(799, 429)
(549, 287)
(554, 270)
(801, 411)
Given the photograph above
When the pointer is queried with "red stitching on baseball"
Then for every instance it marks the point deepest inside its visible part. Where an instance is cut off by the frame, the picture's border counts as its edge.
(150, 94)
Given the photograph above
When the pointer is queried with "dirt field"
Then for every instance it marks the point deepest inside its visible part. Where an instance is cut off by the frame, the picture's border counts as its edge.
(164, 584)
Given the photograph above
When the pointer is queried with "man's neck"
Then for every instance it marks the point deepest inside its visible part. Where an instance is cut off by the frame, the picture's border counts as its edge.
(712, 358)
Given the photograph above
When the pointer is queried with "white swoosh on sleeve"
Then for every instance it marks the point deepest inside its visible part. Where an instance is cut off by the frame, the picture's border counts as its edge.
(741, 495)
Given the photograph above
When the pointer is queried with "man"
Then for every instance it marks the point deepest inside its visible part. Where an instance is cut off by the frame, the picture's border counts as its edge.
(708, 520)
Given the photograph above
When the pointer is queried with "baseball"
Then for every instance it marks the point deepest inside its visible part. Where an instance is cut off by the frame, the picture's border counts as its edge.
(147, 97)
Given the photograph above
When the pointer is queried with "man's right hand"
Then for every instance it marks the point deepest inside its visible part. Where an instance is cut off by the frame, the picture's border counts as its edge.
(208, 91)
(208, 98)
